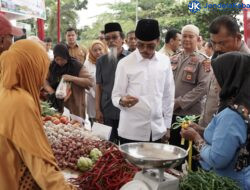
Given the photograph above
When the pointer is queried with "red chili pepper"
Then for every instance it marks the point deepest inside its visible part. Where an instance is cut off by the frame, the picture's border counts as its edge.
(110, 172)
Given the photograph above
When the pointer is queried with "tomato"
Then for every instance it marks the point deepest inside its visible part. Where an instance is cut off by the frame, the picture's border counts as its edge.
(56, 121)
(47, 118)
(64, 120)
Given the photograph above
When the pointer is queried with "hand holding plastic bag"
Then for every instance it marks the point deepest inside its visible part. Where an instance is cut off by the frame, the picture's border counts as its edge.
(63, 90)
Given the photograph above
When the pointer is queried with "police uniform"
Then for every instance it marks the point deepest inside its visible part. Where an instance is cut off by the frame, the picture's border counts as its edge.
(191, 82)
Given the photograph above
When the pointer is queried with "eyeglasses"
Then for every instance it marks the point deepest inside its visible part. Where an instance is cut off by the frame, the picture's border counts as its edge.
(147, 46)
(114, 37)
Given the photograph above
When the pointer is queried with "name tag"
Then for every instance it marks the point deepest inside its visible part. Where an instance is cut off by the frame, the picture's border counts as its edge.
(189, 69)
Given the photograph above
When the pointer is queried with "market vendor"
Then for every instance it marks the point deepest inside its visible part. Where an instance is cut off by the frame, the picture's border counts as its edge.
(144, 89)
(72, 71)
(7, 32)
(27, 161)
(226, 144)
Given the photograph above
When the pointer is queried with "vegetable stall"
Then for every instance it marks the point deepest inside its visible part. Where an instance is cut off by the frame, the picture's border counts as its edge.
(98, 163)
(91, 163)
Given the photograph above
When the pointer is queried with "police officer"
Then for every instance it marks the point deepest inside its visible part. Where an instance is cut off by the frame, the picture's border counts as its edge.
(191, 79)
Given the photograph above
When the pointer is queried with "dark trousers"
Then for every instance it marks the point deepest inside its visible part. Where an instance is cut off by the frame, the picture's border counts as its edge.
(91, 120)
(114, 124)
(175, 139)
(124, 141)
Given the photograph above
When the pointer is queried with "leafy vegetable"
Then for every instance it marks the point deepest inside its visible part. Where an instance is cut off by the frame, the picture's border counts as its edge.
(203, 180)
(95, 154)
(46, 109)
(185, 121)
(84, 163)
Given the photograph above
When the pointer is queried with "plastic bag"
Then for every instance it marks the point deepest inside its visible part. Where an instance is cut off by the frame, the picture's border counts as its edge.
(63, 89)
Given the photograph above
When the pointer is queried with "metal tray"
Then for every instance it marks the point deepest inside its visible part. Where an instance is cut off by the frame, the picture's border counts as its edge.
(153, 155)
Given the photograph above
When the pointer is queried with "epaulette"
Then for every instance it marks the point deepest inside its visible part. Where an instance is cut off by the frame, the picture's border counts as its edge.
(176, 53)
(202, 54)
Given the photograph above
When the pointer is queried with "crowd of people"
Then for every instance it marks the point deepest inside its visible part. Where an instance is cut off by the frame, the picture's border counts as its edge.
(138, 91)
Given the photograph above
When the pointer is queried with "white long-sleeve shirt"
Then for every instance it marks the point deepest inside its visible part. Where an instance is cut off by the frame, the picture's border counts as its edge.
(151, 81)
(90, 98)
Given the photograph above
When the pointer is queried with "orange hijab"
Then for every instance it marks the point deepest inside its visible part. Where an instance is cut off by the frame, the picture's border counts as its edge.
(24, 68)
(92, 58)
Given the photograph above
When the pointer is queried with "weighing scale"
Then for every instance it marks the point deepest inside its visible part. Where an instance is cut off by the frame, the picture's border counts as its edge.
(153, 159)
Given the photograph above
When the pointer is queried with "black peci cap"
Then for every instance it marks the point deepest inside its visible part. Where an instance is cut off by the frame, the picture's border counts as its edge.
(147, 30)
(112, 27)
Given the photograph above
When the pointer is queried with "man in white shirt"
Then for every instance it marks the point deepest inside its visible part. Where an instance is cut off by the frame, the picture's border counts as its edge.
(144, 89)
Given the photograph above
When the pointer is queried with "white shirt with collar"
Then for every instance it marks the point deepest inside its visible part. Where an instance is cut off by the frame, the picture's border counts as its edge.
(151, 81)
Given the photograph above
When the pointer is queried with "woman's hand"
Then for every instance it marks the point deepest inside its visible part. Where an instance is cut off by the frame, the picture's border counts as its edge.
(190, 134)
(197, 128)
(68, 78)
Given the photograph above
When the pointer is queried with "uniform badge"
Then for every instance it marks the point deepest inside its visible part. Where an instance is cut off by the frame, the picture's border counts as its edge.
(189, 76)
(189, 69)
(194, 59)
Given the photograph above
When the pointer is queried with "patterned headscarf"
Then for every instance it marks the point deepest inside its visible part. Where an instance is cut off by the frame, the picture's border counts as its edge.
(92, 58)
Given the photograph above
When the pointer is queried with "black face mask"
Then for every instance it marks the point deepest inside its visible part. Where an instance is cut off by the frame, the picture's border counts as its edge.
(216, 54)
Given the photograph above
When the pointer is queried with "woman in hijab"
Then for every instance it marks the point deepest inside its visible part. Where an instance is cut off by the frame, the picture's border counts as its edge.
(226, 144)
(68, 68)
(27, 161)
(96, 50)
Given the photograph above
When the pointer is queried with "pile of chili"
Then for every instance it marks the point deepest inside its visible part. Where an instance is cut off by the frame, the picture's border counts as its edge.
(110, 172)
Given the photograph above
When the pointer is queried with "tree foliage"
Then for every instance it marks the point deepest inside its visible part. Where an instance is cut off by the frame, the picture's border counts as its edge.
(68, 17)
(170, 14)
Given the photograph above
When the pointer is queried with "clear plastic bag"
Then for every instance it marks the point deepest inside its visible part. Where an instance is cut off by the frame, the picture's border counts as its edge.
(62, 89)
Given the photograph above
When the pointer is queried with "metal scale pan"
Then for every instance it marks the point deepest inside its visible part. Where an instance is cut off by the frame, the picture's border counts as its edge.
(153, 157)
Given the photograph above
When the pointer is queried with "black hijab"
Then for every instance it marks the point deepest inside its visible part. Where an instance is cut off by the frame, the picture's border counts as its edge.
(72, 67)
(232, 71)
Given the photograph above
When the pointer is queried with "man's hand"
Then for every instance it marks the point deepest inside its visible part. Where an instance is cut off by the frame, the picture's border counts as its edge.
(128, 101)
(99, 116)
(68, 78)
(166, 137)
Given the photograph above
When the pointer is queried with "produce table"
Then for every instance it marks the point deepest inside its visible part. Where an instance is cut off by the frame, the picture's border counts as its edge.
(94, 164)
(87, 161)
